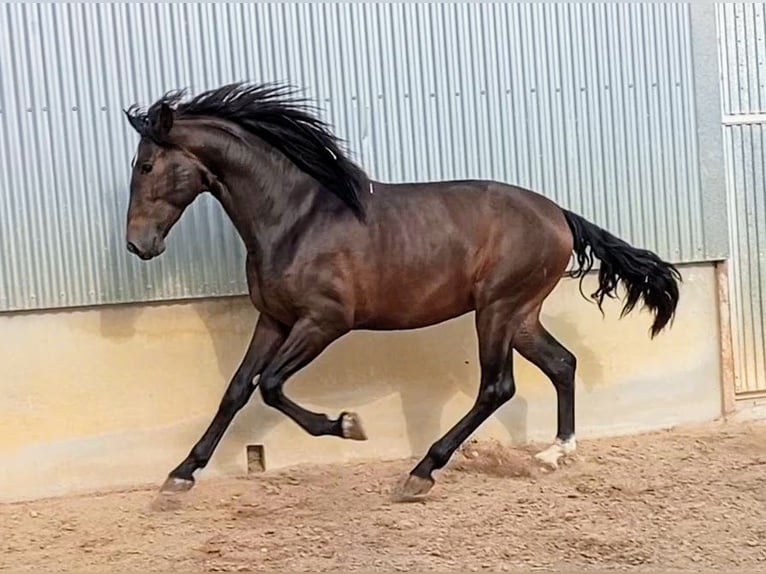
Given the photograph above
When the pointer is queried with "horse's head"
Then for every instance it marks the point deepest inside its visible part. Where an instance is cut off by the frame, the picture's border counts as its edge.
(166, 178)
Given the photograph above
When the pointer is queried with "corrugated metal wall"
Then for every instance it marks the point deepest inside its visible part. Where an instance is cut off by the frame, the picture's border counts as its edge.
(592, 104)
(742, 29)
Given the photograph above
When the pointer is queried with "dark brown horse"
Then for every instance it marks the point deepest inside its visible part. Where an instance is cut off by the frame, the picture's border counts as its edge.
(330, 251)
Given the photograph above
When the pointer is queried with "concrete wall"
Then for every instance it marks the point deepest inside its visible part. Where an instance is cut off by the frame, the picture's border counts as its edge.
(115, 396)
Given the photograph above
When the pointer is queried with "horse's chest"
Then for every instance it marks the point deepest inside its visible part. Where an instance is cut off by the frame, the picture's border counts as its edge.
(270, 296)
(274, 301)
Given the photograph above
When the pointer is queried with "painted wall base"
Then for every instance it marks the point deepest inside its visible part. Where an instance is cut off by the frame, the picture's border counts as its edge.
(112, 397)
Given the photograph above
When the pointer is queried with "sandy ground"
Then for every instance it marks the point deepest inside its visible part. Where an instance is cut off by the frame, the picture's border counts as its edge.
(683, 499)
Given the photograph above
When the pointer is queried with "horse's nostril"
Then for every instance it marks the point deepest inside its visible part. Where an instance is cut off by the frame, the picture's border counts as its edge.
(132, 248)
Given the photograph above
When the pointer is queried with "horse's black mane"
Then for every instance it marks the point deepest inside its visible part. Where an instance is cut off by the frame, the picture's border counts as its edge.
(270, 112)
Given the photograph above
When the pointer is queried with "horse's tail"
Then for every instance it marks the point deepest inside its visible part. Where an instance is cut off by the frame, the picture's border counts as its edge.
(643, 274)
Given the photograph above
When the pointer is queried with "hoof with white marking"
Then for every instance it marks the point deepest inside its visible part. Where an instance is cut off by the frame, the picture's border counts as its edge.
(551, 456)
(351, 427)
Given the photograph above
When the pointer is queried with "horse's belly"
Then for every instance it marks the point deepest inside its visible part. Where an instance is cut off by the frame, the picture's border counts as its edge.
(409, 305)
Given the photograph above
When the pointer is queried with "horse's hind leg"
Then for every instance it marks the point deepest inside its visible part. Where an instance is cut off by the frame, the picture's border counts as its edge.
(495, 326)
(539, 347)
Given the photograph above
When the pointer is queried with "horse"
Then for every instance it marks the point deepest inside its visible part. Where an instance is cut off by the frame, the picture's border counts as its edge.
(330, 250)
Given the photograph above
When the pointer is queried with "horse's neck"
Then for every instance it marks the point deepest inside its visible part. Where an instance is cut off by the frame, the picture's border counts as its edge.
(263, 218)
(261, 191)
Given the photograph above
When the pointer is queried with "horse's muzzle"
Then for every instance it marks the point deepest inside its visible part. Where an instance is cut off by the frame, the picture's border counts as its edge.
(146, 250)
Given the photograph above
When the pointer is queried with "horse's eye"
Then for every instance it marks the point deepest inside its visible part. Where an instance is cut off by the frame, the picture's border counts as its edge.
(146, 167)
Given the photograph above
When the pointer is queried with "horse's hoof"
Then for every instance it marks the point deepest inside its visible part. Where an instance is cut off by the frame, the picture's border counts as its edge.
(174, 484)
(351, 426)
(413, 489)
(551, 456)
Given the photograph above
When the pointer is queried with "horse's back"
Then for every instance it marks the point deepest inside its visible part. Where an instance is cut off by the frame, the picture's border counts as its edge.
(476, 192)
(428, 248)
(468, 209)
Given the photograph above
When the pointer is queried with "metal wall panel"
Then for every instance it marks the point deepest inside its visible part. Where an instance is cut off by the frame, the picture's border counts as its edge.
(591, 104)
(746, 179)
(742, 29)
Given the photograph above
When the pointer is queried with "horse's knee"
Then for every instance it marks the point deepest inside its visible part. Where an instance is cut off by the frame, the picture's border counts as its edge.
(507, 388)
(499, 392)
(270, 392)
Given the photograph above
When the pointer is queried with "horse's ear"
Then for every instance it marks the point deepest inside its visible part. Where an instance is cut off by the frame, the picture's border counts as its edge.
(163, 121)
(136, 121)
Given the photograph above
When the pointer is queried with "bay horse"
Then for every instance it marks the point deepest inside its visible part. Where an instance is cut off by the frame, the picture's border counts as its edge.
(329, 251)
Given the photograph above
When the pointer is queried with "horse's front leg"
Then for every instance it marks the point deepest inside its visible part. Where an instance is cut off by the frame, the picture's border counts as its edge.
(307, 339)
(267, 338)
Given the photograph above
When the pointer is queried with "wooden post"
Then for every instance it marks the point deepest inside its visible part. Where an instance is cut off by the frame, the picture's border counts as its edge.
(728, 383)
